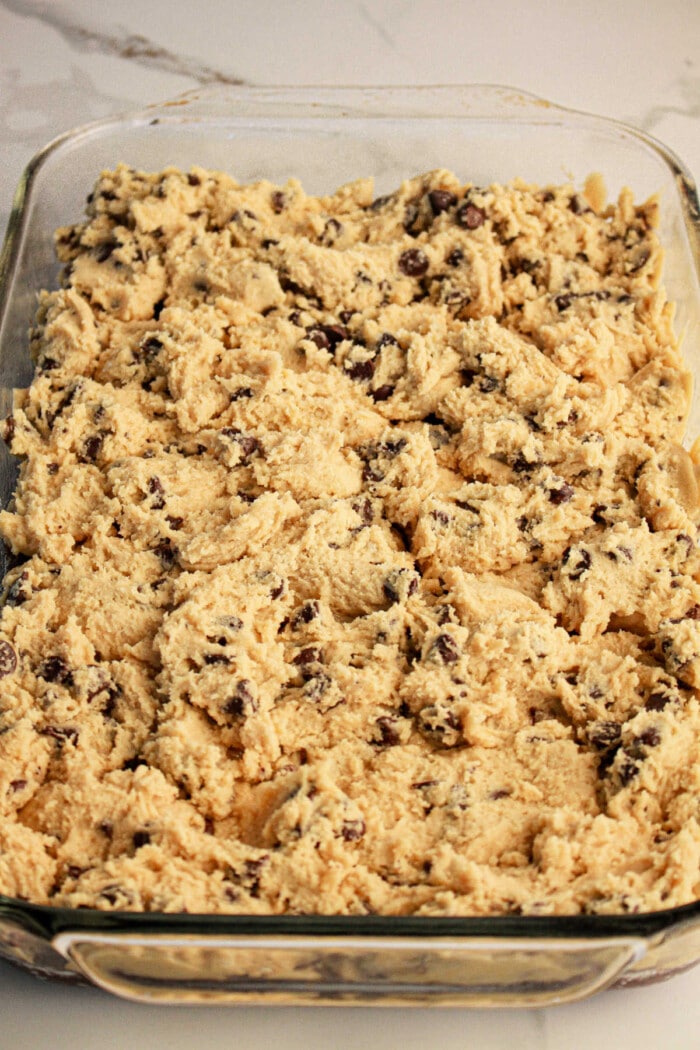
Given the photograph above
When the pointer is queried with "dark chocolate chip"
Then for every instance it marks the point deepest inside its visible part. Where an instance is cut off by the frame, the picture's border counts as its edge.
(392, 448)
(562, 494)
(579, 561)
(61, 733)
(91, 448)
(441, 200)
(103, 251)
(352, 830)
(319, 337)
(604, 734)
(309, 655)
(316, 686)
(166, 552)
(149, 349)
(308, 612)
(360, 370)
(650, 737)
(278, 201)
(414, 262)
(455, 257)
(18, 785)
(469, 216)
(382, 393)
(141, 838)
(388, 736)
(8, 659)
(242, 701)
(242, 392)
(55, 669)
(446, 648)
(155, 487)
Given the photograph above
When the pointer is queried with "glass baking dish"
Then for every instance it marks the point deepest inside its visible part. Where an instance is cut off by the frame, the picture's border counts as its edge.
(325, 137)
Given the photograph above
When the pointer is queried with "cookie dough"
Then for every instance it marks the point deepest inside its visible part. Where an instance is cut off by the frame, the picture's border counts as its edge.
(355, 557)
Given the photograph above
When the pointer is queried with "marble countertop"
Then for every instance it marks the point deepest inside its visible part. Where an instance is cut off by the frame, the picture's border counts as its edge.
(67, 62)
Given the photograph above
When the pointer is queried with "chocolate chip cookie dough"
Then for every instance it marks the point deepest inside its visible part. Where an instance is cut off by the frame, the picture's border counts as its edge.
(355, 557)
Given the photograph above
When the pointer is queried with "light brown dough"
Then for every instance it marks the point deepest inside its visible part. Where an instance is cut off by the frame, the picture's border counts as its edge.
(355, 557)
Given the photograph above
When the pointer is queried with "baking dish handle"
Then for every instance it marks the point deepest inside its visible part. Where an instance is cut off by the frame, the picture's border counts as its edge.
(349, 970)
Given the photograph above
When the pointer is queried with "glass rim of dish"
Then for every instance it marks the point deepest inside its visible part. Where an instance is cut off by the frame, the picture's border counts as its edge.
(467, 102)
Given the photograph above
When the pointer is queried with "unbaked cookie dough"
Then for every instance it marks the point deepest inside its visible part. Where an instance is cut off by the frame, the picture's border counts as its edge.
(355, 557)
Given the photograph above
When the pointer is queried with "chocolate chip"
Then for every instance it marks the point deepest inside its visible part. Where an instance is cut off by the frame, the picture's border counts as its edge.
(216, 658)
(388, 736)
(487, 384)
(308, 612)
(242, 701)
(469, 216)
(561, 495)
(277, 591)
(360, 370)
(248, 443)
(627, 768)
(174, 522)
(521, 465)
(382, 393)
(650, 737)
(103, 251)
(316, 686)
(441, 200)
(331, 232)
(660, 698)
(308, 656)
(158, 309)
(380, 202)
(604, 734)
(141, 838)
(278, 201)
(18, 785)
(400, 585)
(352, 830)
(363, 508)
(241, 393)
(578, 559)
(8, 659)
(392, 448)
(91, 448)
(61, 733)
(166, 552)
(149, 349)
(155, 487)
(55, 669)
(414, 262)
(455, 257)
(446, 648)
(439, 726)
(318, 336)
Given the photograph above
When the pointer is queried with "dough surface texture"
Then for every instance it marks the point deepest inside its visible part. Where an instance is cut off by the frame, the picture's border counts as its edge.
(355, 557)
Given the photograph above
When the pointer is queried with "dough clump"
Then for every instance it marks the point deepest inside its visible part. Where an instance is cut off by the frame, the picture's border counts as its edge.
(355, 557)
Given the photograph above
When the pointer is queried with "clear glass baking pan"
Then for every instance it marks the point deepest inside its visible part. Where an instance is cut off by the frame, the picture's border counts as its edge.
(326, 137)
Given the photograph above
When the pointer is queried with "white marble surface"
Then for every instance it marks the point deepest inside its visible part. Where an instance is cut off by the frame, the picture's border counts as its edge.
(66, 62)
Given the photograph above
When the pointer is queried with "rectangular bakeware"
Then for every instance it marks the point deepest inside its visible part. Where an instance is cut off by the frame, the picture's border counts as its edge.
(326, 137)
